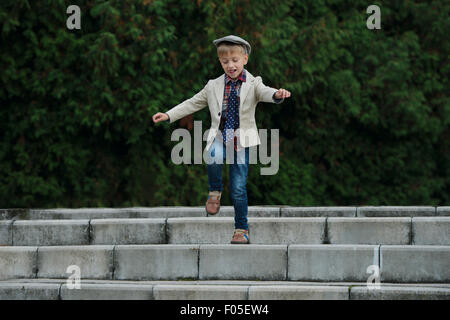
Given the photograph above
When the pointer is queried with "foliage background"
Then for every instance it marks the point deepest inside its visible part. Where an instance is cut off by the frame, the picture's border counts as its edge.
(367, 124)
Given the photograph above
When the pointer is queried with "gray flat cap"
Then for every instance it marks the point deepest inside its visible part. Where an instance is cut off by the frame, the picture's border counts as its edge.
(234, 39)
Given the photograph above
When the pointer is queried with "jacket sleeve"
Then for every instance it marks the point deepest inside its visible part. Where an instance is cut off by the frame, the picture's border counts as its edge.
(189, 106)
(265, 93)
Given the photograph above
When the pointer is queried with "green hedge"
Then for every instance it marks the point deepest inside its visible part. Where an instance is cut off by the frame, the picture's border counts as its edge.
(367, 124)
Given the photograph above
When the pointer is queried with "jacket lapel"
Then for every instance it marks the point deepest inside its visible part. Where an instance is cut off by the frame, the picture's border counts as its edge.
(245, 87)
(219, 88)
(244, 90)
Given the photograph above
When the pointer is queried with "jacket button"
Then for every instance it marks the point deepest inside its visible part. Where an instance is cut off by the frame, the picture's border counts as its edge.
(219, 113)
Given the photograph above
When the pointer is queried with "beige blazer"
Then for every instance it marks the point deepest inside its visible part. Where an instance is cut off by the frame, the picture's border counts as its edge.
(252, 91)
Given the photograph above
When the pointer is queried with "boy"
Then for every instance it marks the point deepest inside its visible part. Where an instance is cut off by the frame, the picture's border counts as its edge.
(232, 99)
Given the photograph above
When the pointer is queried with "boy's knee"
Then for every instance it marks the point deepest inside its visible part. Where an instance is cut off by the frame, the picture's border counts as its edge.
(215, 156)
(238, 192)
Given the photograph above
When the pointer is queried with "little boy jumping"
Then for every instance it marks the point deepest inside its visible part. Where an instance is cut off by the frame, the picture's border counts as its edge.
(232, 99)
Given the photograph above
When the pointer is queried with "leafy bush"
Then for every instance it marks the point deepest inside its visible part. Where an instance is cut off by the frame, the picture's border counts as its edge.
(367, 124)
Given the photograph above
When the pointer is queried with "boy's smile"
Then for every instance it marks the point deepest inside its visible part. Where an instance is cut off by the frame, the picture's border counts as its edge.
(233, 62)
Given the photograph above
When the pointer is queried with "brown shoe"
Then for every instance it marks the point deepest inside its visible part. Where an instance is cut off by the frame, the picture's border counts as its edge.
(240, 236)
(213, 202)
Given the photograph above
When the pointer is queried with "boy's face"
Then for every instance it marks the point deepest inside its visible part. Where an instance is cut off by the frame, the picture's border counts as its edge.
(233, 62)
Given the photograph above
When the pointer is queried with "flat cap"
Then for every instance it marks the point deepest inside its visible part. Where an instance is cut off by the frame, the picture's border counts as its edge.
(234, 39)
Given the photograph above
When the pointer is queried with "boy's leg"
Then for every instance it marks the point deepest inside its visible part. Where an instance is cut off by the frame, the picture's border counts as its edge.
(215, 164)
(238, 188)
(216, 154)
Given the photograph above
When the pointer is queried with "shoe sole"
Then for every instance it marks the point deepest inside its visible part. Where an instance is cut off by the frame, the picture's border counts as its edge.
(212, 214)
(237, 242)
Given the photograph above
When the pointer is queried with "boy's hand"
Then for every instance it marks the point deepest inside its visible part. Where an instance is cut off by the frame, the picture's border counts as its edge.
(282, 93)
(160, 117)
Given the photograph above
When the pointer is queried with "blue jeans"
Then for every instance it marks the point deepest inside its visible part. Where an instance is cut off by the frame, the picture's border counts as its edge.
(238, 179)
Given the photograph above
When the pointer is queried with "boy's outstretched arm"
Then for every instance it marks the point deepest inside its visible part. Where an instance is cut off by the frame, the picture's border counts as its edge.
(187, 107)
(157, 117)
(282, 93)
(268, 94)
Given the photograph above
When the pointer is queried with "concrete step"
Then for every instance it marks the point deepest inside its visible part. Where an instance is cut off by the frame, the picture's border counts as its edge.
(126, 213)
(50, 289)
(254, 211)
(313, 262)
(218, 230)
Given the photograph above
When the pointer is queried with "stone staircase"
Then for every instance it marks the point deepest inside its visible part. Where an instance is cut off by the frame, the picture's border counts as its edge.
(181, 253)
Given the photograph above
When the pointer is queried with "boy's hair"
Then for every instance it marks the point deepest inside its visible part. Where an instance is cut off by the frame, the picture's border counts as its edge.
(226, 47)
